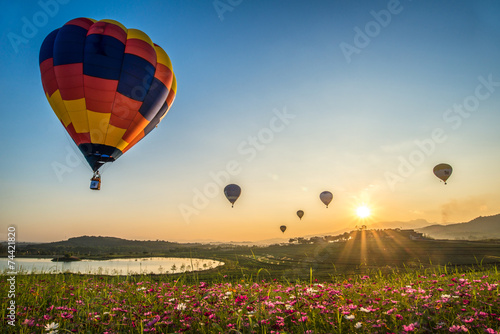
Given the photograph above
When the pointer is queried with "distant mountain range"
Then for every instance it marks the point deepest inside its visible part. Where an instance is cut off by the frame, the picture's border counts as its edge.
(412, 224)
(476, 229)
(479, 228)
(101, 245)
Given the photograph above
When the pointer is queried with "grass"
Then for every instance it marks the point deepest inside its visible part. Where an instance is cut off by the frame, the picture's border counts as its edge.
(432, 300)
(389, 286)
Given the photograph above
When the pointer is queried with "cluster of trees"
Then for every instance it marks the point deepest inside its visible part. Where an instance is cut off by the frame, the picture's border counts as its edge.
(361, 232)
(327, 238)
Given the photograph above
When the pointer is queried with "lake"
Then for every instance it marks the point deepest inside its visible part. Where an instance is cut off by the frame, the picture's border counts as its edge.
(151, 265)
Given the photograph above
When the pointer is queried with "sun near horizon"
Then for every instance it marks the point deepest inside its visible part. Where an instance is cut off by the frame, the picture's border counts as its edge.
(363, 211)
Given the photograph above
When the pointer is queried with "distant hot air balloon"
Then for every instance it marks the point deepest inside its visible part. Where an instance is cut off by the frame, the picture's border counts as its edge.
(300, 213)
(326, 197)
(108, 85)
(443, 171)
(283, 228)
(232, 192)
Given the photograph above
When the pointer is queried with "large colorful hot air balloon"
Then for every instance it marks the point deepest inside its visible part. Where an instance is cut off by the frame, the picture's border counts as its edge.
(283, 228)
(300, 213)
(443, 171)
(232, 192)
(326, 197)
(108, 85)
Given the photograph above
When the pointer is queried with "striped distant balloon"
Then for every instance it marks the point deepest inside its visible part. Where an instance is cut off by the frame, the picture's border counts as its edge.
(108, 85)
(232, 192)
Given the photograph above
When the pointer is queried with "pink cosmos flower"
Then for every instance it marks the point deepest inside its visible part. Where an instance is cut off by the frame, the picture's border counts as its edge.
(458, 329)
(391, 310)
(29, 322)
(409, 328)
(66, 315)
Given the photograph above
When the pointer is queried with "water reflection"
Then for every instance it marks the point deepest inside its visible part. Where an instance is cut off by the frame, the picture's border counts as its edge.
(154, 265)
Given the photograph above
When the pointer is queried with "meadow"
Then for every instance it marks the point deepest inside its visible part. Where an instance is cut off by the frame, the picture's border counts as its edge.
(356, 287)
(413, 301)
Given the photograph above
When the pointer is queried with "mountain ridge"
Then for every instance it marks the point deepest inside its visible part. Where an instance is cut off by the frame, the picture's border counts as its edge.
(482, 227)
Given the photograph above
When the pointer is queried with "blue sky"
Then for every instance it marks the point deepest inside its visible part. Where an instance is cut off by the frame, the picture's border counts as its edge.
(268, 88)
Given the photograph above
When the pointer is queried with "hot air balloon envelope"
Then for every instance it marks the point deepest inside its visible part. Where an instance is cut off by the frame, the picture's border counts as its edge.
(326, 197)
(300, 213)
(232, 192)
(443, 171)
(108, 85)
(283, 228)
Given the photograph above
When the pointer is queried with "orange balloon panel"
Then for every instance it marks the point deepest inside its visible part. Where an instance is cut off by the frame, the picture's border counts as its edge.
(108, 85)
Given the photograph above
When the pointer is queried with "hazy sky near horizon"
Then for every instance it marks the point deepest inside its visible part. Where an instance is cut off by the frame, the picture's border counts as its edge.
(286, 99)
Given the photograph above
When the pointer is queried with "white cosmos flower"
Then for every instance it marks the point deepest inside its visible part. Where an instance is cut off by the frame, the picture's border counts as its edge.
(358, 325)
(349, 317)
(311, 290)
(52, 328)
(181, 306)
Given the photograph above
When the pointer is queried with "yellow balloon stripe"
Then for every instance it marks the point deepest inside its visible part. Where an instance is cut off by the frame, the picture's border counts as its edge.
(122, 145)
(57, 104)
(137, 34)
(174, 84)
(79, 120)
(98, 123)
(114, 135)
(162, 57)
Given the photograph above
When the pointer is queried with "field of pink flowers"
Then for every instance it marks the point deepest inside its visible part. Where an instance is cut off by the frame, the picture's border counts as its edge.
(425, 302)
